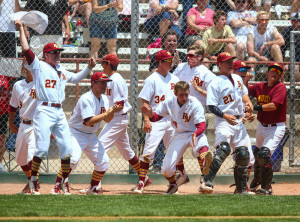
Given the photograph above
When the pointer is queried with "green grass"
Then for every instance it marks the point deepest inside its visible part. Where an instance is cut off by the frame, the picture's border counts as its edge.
(149, 205)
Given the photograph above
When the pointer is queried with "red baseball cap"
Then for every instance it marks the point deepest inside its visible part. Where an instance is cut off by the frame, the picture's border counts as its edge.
(240, 64)
(112, 59)
(51, 47)
(276, 65)
(100, 77)
(163, 55)
(224, 56)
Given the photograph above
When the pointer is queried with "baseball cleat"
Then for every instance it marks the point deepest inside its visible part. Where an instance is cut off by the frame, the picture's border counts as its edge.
(248, 191)
(56, 189)
(26, 190)
(172, 189)
(182, 179)
(254, 185)
(264, 192)
(206, 188)
(34, 187)
(65, 188)
(140, 188)
(208, 160)
(148, 182)
(95, 190)
(83, 190)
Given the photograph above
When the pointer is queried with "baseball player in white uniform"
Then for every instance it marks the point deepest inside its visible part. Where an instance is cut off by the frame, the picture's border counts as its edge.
(115, 132)
(157, 87)
(188, 119)
(90, 110)
(24, 97)
(226, 98)
(50, 81)
(199, 77)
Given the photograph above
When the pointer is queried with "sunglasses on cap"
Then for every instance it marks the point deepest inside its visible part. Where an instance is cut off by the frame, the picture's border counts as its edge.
(242, 70)
(275, 70)
(53, 52)
(191, 55)
(167, 60)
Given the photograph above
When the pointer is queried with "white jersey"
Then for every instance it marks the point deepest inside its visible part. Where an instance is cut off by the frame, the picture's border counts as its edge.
(50, 83)
(87, 106)
(117, 90)
(201, 74)
(228, 97)
(183, 118)
(24, 97)
(260, 39)
(157, 88)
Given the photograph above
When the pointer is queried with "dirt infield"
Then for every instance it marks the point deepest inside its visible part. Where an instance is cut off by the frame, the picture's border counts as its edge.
(279, 189)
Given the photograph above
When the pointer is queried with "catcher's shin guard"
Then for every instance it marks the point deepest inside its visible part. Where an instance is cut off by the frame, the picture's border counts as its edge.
(222, 152)
(241, 169)
(264, 161)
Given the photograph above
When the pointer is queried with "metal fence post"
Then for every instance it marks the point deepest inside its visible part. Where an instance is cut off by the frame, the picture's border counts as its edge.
(134, 59)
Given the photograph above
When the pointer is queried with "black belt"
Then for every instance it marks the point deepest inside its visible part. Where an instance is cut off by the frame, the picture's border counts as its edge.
(267, 125)
(28, 122)
(57, 105)
(124, 114)
(237, 116)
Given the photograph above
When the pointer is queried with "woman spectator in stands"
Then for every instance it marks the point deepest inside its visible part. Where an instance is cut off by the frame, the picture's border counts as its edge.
(81, 7)
(162, 15)
(199, 19)
(104, 21)
(241, 22)
(264, 41)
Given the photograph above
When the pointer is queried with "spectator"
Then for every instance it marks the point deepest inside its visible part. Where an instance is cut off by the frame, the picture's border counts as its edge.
(266, 5)
(104, 21)
(287, 35)
(4, 113)
(224, 5)
(241, 22)
(8, 41)
(295, 7)
(169, 42)
(56, 11)
(218, 38)
(82, 7)
(125, 17)
(161, 16)
(264, 41)
(199, 19)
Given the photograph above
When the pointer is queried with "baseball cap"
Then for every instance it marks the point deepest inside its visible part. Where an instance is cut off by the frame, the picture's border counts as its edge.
(163, 55)
(276, 65)
(112, 59)
(100, 77)
(240, 64)
(51, 47)
(224, 56)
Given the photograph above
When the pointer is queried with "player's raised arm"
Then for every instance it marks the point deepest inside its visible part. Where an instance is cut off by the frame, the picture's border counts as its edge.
(23, 40)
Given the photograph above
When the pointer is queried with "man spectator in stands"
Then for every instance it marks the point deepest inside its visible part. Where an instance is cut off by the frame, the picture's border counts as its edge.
(56, 10)
(81, 7)
(218, 38)
(169, 42)
(264, 41)
(8, 43)
(295, 20)
(241, 22)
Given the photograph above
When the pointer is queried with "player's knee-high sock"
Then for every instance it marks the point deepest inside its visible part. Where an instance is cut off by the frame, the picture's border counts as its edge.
(60, 176)
(180, 167)
(201, 158)
(200, 163)
(97, 177)
(249, 172)
(134, 162)
(172, 179)
(27, 170)
(36, 162)
(65, 168)
(144, 167)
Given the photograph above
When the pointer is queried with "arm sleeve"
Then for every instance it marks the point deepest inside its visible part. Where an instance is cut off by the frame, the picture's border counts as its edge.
(29, 55)
(156, 117)
(77, 77)
(85, 108)
(14, 102)
(147, 91)
(162, 108)
(230, 17)
(204, 39)
(229, 31)
(215, 110)
(117, 92)
(200, 128)
(191, 12)
(198, 113)
(279, 96)
(245, 90)
(212, 92)
(251, 91)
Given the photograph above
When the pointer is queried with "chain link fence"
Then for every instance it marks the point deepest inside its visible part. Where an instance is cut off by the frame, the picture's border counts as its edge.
(133, 29)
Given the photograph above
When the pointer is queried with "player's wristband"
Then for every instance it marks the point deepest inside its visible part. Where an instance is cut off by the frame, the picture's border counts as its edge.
(258, 107)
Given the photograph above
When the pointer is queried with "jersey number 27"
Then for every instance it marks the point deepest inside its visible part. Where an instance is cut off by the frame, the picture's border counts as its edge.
(50, 83)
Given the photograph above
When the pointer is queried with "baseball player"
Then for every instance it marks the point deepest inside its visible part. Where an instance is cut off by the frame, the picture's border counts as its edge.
(199, 76)
(115, 132)
(50, 81)
(188, 118)
(157, 87)
(226, 98)
(24, 97)
(271, 106)
(90, 110)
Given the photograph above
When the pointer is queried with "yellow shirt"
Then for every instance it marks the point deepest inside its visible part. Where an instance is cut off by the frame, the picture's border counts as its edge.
(214, 48)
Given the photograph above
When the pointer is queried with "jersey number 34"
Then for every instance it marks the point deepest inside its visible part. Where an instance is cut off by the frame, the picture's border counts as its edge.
(159, 99)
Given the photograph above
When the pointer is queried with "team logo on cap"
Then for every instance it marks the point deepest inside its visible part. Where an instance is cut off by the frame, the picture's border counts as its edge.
(103, 76)
(244, 64)
(55, 45)
(276, 64)
(228, 54)
(169, 53)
